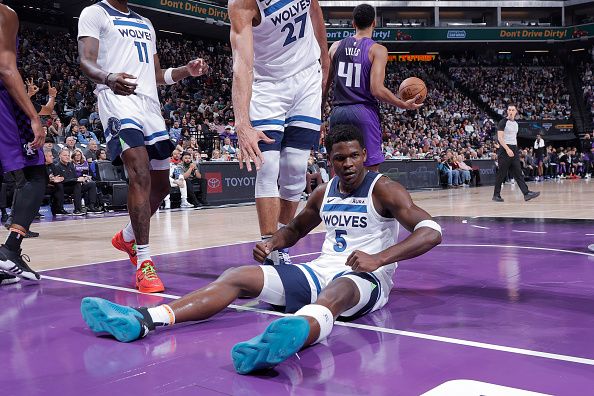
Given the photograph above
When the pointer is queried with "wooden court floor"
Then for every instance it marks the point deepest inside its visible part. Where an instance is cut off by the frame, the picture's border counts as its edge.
(82, 241)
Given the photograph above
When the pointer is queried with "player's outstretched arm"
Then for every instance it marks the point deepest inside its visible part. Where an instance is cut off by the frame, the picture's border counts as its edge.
(194, 68)
(241, 14)
(392, 200)
(300, 226)
(319, 27)
(379, 58)
(9, 74)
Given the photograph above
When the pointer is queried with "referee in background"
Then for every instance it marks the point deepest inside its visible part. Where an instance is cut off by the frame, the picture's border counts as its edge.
(508, 156)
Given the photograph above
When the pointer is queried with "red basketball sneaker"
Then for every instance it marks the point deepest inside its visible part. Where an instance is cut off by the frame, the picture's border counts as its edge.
(128, 247)
(147, 280)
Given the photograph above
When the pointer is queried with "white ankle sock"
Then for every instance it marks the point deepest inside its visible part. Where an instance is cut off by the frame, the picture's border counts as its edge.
(128, 233)
(143, 253)
(162, 315)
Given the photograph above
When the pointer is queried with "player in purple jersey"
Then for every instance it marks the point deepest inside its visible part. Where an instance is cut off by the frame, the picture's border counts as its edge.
(21, 138)
(358, 70)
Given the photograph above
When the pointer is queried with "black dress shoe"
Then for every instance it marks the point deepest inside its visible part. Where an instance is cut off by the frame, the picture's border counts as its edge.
(497, 198)
(31, 234)
(531, 195)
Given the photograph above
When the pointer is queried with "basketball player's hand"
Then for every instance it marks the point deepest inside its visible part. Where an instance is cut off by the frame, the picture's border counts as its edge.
(509, 152)
(362, 262)
(248, 146)
(38, 134)
(197, 67)
(119, 84)
(412, 104)
(262, 250)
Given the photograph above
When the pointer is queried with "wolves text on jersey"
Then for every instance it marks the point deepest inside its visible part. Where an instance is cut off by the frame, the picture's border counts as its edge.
(291, 12)
(341, 220)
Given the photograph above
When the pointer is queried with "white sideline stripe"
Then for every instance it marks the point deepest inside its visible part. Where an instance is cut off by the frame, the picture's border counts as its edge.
(516, 247)
(485, 245)
(481, 227)
(531, 232)
(474, 344)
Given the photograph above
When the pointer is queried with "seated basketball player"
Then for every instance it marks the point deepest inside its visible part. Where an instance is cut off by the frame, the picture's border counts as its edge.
(352, 276)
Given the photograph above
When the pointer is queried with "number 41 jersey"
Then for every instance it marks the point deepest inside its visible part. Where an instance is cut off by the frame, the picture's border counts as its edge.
(352, 73)
(352, 223)
(127, 44)
(284, 41)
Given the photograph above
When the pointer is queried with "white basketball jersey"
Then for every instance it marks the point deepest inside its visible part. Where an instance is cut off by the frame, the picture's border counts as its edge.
(284, 41)
(352, 223)
(127, 44)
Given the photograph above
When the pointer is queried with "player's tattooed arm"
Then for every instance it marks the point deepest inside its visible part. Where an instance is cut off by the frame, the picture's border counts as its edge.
(393, 201)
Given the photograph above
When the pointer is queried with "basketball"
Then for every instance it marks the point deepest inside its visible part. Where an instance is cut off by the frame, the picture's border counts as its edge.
(412, 87)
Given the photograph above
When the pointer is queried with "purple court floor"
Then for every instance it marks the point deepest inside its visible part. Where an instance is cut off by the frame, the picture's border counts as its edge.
(502, 302)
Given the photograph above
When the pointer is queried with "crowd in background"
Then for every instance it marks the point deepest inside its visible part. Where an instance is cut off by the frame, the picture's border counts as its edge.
(199, 116)
(539, 92)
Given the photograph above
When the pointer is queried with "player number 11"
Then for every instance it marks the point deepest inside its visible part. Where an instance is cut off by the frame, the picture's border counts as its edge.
(140, 47)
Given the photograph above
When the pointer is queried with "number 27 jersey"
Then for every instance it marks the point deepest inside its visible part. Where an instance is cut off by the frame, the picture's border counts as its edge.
(127, 44)
(284, 41)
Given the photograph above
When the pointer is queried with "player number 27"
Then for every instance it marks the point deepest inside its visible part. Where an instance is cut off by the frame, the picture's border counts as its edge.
(141, 47)
(346, 70)
(291, 28)
(341, 243)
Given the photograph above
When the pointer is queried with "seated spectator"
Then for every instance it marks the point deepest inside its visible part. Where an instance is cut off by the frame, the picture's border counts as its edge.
(68, 130)
(227, 146)
(56, 207)
(313, 174)
(175, 157)
(216, 156)
(476, 172)
(85, 136)
(101, 156)
(176, 179)
(465, 170)
(92, 151)
(175, 133)
(73, 184)
(445, 169)
(70, 144)
(49, 145)
(191, 173)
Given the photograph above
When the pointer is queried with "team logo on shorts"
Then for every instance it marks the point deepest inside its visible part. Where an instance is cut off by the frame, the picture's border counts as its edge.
(113, 127)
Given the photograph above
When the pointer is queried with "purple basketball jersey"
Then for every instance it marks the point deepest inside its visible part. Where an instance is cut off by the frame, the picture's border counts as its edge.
(352, 73)
(16, 134)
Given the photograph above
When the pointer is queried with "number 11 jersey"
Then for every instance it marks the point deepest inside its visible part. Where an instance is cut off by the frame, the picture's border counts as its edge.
(127, 44)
